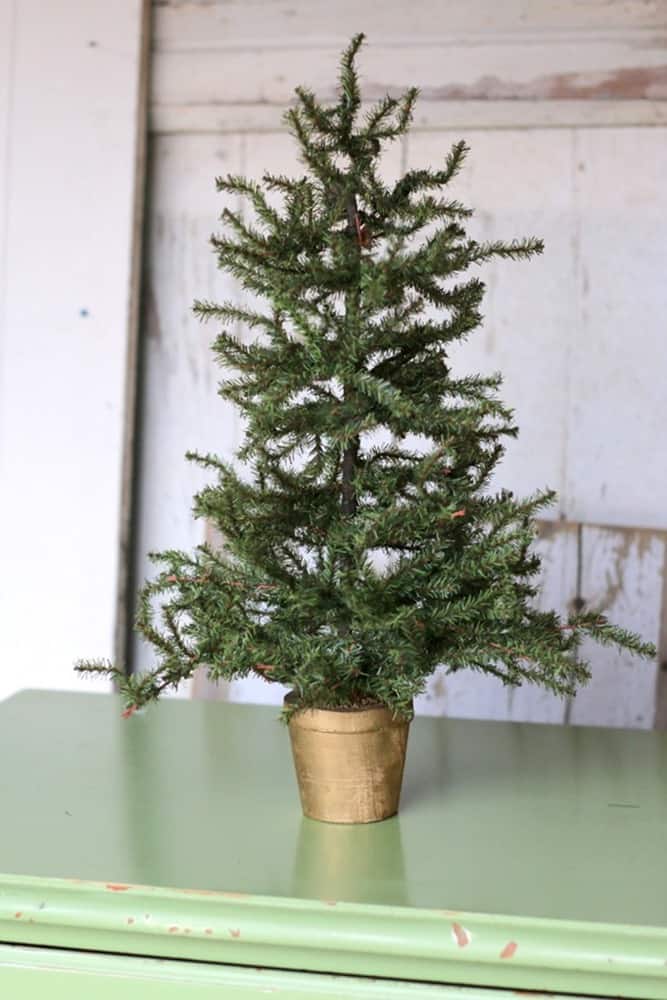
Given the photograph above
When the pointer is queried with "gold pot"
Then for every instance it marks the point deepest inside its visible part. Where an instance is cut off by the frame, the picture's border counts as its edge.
(348, 762)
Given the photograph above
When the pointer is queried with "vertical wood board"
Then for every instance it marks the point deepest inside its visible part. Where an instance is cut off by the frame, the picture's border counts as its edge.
(622, 576)
(519, 337)
(180, 408)
(616, 407)
(69, 178)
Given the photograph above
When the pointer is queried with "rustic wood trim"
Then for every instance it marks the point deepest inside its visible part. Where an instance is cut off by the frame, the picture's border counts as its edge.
(179, 22)
(124, 583)
(167, 119)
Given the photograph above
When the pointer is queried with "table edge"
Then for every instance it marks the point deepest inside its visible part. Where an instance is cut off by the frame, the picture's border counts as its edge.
(329, 936)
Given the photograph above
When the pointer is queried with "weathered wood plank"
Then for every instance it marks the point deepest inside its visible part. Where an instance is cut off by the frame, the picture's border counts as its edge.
(616, 410)
(482, 69)
(227, 66)
(471, 695)
(558, 548)
(429, 116)
(70, 175)
(180, 23)
(566, 367)
(621, 575)
(124, 613)
(180, 408)
(519, 337)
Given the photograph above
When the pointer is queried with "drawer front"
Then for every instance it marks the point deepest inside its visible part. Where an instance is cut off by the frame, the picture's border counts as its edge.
(51, 974)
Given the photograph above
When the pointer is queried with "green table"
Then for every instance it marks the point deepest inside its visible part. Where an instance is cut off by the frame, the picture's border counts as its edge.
(166, 856)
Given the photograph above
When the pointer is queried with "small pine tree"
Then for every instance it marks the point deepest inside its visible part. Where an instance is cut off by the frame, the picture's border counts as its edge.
(365, 294)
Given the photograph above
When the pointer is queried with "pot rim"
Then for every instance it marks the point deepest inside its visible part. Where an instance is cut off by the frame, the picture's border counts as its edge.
(358, 719)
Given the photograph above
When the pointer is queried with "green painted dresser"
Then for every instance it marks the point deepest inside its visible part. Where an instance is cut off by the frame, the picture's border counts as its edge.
(165, 856)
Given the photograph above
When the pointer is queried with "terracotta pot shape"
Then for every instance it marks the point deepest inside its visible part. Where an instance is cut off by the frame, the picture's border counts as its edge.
(349, 762)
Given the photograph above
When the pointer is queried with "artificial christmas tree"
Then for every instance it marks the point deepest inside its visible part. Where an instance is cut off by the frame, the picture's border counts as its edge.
(363, 544)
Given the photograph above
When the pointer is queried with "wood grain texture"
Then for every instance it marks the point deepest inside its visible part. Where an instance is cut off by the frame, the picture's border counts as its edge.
(506, 115)
(616, 409)
(180, 23)
(180, 408)
(213, 59)
(617, 571)
(621, 574)
(468, 694)
(580, 351)
(476, 68)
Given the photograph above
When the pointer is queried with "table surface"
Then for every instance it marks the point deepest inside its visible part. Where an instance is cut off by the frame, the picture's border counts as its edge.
(528, 821)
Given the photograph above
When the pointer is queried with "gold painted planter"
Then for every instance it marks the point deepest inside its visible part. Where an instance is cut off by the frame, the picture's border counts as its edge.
(349, 763)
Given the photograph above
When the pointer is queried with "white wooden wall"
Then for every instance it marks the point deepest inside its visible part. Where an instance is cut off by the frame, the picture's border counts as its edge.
(69, 102)
(564, 106)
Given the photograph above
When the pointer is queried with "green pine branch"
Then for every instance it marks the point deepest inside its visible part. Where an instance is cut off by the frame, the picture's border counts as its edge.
(355, 562)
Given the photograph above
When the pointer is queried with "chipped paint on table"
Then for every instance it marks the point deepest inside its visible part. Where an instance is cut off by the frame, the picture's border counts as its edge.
(194, 847)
